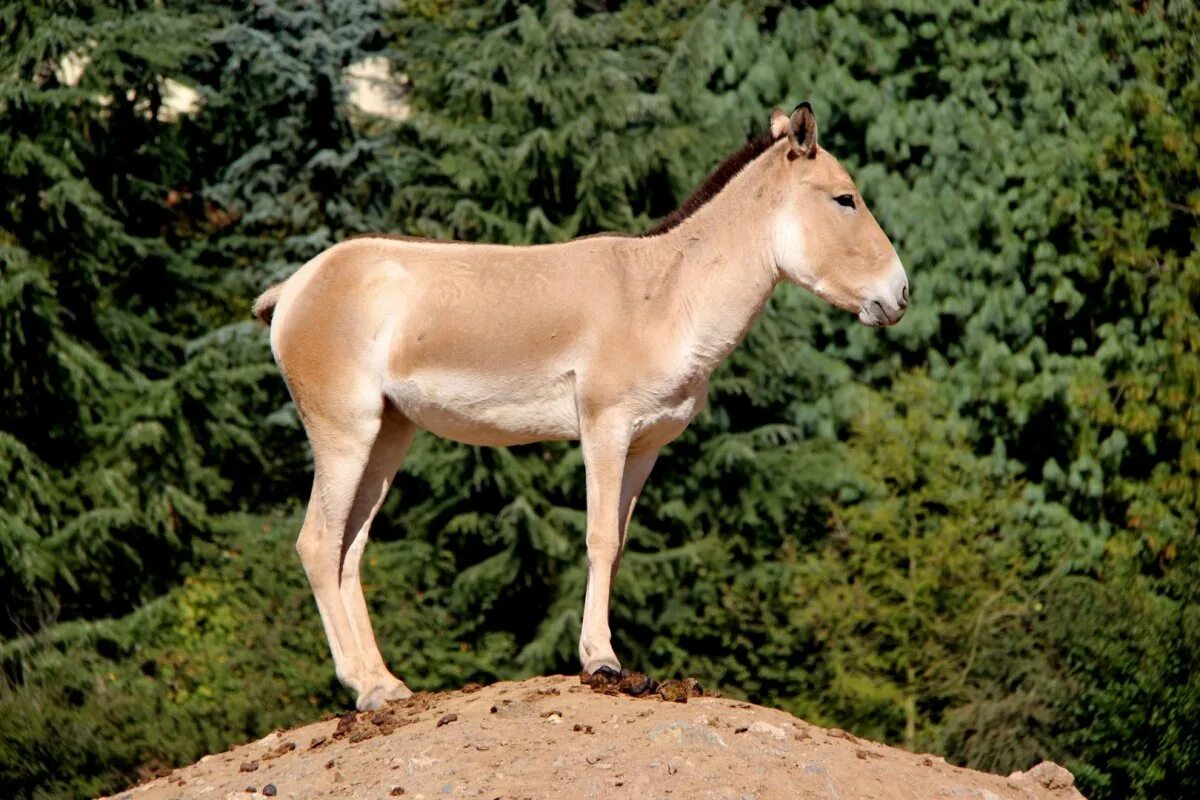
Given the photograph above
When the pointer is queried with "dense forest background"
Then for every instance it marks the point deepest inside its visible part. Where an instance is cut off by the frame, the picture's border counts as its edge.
(974, 534)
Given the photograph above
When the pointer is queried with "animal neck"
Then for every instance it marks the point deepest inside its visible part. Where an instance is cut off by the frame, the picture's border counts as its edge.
(727, 265)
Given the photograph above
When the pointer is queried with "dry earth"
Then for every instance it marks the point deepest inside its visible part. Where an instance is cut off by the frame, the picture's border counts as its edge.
(556, 738)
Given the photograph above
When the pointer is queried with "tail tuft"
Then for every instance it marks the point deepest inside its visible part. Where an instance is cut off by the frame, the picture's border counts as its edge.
(264, 306)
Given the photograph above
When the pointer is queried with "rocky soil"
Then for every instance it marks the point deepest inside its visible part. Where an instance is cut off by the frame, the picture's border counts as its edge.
(557, 738)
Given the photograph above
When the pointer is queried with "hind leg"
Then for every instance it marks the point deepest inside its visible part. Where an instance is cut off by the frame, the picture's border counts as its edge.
(379, 685)
(355, 455)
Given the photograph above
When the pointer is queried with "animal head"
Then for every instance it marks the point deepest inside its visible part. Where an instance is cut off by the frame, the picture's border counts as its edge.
(824, 236)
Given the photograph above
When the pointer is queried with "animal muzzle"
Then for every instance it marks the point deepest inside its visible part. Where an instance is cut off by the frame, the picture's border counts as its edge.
(887, 304)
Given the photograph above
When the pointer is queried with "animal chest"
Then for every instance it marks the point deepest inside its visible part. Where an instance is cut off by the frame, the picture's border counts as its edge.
(668, 410)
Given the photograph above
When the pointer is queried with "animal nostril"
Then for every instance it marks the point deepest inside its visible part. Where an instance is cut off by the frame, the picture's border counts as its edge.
(904, 297)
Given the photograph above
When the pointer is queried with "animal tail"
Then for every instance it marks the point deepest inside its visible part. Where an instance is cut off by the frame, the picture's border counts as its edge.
(264, 306)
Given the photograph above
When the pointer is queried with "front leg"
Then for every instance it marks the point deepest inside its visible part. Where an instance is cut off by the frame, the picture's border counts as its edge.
(610, 495)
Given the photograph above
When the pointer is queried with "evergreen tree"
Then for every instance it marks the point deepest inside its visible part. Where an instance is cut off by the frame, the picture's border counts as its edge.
(974, 532)
(107, 434)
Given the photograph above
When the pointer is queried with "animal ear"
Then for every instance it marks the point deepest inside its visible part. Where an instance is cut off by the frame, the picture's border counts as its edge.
(779, 123)
(802, 131)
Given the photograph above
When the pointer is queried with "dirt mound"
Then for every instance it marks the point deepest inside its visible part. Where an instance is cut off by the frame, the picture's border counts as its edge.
(558, 738)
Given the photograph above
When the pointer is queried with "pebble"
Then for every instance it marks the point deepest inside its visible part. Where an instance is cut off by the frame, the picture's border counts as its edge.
(767, 729)
(1046, 773)
(269, 790)
(685, 734)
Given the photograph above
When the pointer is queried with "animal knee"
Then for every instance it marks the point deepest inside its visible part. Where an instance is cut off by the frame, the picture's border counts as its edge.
(602, 549)
(307, 544)
(314, 557)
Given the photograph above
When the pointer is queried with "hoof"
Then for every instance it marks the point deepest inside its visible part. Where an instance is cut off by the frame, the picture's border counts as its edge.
(608, 667)
(607, 672)
(380, 696)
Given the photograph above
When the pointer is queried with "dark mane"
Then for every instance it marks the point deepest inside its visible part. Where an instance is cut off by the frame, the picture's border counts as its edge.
(717, 180)
(714, 183)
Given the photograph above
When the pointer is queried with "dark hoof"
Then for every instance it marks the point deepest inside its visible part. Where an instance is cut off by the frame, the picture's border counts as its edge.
(604, 679)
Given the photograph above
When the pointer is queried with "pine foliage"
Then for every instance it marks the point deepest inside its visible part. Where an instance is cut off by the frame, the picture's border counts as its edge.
(974, 533)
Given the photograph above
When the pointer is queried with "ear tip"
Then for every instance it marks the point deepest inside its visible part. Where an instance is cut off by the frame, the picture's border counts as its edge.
(805, 105)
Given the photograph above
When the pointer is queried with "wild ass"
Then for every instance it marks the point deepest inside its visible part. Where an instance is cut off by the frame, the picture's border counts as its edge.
(607, 339)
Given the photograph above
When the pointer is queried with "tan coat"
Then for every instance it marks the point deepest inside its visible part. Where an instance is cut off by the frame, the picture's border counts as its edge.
(607, 339)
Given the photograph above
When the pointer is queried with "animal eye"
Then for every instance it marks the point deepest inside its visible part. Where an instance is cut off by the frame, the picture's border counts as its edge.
(846, 200)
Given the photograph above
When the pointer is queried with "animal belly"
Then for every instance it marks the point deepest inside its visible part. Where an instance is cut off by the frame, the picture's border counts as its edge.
(483, 410)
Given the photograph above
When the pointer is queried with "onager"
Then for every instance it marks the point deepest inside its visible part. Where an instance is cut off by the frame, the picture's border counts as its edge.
(608, 339)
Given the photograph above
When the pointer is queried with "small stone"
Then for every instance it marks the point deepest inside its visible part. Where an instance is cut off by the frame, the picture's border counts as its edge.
(397, 791)
(684, 733)
(248, 766)
(838, 733)
(767, 729)
(672, 692)
(269, 790)
(604, 680)
(1048, 774)
(446, 720)
(582, 728)
(345, 724)
(471, 688)
(282, 749)
(635, 684)
(317, 742)
(251, 790)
